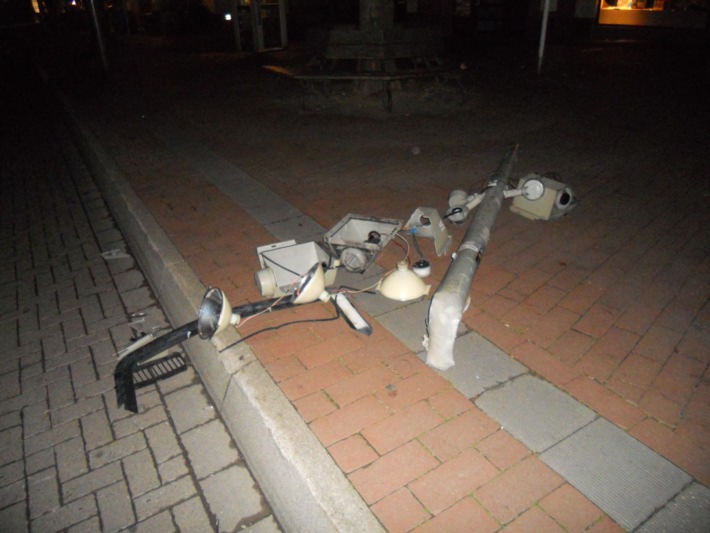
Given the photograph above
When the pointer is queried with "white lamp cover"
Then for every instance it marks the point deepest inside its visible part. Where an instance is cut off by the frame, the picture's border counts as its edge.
(266, 282)
(312, 286)
(403, 284)
(215, 313)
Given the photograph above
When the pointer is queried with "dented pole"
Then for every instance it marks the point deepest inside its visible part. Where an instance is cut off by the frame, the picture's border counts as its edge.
(450, 300)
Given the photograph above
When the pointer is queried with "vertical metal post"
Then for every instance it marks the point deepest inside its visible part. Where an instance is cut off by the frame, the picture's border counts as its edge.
(543, 35)
(452, 296)
(99, 35)
(126, 18)
(257, 28)
(235, 24)
(283, 8)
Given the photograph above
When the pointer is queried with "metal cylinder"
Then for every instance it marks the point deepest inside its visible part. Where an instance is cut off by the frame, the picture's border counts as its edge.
(449, 301)
(99, 34)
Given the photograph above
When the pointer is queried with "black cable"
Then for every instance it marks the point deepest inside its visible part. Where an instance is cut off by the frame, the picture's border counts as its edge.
(454, 211)
(281, 266)
(416, 245)
(274, 328)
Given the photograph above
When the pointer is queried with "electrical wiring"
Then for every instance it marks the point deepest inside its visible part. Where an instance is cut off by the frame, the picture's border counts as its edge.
(350, 290)
(281, 266)
(454, 211)
(267, 310)
(274, 328)
(342, 290)
(280, 299)
(416, 245)
(142, 365)
(406, 249)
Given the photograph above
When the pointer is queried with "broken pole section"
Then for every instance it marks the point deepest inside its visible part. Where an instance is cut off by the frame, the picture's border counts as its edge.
(452, 297)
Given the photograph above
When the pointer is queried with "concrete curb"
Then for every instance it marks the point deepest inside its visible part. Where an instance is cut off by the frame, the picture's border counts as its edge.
(306, 489)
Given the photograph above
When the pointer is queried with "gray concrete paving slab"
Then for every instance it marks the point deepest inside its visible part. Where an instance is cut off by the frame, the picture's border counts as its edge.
(229, 496)
(689, 512)
(267, 525)
(480, 366)
(209, 448)
(408, 323)
(189, 408)
(191, 516)
(15, 516)
(622, 476)
(535, 412)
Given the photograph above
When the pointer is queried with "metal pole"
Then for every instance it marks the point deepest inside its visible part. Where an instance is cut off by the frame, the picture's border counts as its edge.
(99, 36)
(235, 24)
(543, 35)
(126, 18)
(283, 8)
(257, 29)
(452, 296)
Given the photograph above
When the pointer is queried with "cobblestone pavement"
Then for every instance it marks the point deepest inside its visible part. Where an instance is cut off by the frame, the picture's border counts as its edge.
(69, 459)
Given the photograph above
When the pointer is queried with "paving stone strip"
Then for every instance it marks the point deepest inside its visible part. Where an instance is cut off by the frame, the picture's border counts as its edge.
(69, 459)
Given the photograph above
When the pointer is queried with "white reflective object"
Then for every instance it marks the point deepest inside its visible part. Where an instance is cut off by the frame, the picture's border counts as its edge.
(312, 286)
(403, 284)
(533, 189)
(353, 316)
(215, 314)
